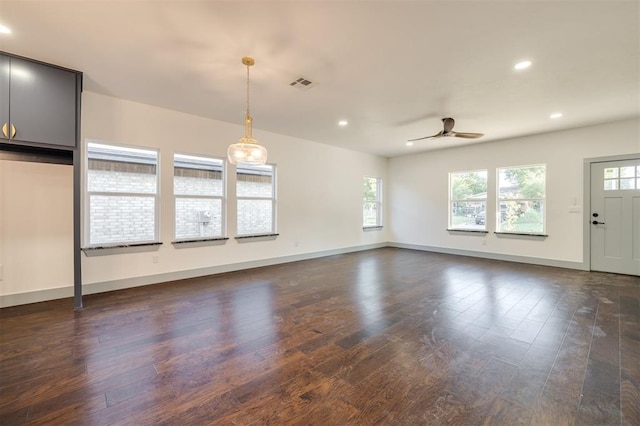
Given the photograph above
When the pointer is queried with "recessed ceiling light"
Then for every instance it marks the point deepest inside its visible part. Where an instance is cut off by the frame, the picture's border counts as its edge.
(342, 123)
(556, 115)
(4, 30)
(409, 143)
(522, 65)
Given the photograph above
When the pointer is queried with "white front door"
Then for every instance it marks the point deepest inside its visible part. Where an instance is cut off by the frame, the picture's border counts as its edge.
(615, 216)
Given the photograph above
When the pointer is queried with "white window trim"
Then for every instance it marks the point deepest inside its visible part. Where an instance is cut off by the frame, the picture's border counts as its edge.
(452, 227)
(377, 202)
(222, 198)
(500, 199)
(87, 199)
(273, 199)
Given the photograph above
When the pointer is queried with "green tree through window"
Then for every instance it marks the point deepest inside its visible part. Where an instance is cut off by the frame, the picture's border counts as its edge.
(468, 200)
(372, 202)
(521, 193)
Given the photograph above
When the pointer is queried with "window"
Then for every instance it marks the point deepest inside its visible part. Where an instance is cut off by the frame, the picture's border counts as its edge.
(468, 200)
(198, 188)
(621, 178)
(521, 197)
(256, 198)
(372, 202)
(122, 195)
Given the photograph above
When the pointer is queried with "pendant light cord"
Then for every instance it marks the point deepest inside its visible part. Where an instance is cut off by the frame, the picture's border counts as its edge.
(248, 91)
(248, 120)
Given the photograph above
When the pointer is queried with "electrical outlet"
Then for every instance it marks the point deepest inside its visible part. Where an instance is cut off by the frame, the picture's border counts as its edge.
(156, 259)
(1, 272)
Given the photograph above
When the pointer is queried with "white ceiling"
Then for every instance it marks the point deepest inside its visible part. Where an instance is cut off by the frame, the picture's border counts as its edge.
(393, 69)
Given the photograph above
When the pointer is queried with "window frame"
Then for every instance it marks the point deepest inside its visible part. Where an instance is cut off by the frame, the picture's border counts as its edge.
(88, 194)
(618, 178)
(273, 199)
(500, 199)
(222, 198)
(451, 225)
(377, 202)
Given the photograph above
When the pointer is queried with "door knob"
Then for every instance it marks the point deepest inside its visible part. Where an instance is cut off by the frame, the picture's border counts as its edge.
(5, 127)
(595, 222)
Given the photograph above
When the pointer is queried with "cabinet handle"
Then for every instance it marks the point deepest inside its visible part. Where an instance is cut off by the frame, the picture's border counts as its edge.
(5, 130)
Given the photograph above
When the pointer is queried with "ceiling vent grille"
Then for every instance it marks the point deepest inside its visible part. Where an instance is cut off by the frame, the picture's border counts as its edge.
(302, 83)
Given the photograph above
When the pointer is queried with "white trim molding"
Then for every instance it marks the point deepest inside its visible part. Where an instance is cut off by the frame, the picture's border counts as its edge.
(101, 287)
(494, 256)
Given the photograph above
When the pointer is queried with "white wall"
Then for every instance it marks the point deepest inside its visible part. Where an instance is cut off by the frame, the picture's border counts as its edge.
(36, 227)
(319, 200)
(319, 206)
(418, 188)
(319, 189)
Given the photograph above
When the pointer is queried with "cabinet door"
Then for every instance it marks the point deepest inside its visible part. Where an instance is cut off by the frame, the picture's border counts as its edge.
(43, 103)
(4, 93)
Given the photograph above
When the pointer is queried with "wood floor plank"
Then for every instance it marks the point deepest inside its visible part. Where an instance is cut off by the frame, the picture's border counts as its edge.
(600, 398)
(385, 336)
(629, 398)
(550, 411)
(530, 377)
(504, 412)
(630, 355)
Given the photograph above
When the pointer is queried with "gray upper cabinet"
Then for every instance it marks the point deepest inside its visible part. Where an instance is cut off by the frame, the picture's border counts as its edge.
(38, 103)
(5, 69)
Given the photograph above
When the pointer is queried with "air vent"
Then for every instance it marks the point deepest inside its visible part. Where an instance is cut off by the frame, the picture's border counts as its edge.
(302, 83)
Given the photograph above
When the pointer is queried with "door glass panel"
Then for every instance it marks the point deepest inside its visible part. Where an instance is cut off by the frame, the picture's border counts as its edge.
(626, 172)
(627, 183)
(611, 172)
(610, 185)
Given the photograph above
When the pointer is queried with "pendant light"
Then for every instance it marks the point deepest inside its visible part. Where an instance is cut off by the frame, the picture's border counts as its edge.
(247, 150)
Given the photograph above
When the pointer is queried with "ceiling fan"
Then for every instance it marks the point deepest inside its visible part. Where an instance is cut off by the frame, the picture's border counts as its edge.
(447, 131)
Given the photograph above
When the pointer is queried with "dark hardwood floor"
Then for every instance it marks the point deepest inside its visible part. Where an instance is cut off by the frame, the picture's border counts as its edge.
(387, 336)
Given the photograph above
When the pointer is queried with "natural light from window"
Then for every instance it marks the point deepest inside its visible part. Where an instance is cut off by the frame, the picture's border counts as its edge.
(122, 195)
(372, 202)
(256, 200)
(198, 188)
(521, 199)
(468, 200)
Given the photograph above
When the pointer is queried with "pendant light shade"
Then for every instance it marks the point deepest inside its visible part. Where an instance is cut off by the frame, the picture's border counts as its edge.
(247, 150)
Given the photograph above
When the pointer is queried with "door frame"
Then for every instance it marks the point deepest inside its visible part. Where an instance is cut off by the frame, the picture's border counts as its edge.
(586, 206)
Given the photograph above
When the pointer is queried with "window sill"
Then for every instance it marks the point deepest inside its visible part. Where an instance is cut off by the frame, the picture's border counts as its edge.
(120, 249)
(371, 228)
(468, 231)
(521, 235)
(258, 237)
(200, 242)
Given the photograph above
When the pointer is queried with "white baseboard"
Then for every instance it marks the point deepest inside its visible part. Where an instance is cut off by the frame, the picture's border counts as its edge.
(495, 256)
(36, 296)
(120, 284)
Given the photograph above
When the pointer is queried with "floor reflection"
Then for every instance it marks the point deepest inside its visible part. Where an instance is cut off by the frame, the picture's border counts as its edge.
(368, 293)
(252, 313)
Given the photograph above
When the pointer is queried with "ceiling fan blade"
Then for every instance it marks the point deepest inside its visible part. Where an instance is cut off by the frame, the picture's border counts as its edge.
(467, 135)
(437, 135)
